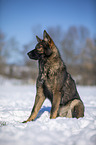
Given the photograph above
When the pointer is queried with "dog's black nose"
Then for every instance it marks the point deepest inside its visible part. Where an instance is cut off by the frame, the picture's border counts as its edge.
(28, 53)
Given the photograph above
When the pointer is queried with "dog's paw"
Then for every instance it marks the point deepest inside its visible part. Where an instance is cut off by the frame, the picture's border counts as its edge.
(28, 120)
(25, 121)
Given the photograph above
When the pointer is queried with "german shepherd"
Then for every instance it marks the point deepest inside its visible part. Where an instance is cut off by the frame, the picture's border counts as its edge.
(54, 82)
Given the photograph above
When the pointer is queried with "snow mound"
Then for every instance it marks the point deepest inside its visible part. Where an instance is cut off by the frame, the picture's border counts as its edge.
(16, 102)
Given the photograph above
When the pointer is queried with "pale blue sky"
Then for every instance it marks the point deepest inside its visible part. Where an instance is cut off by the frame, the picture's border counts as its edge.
(17, 17)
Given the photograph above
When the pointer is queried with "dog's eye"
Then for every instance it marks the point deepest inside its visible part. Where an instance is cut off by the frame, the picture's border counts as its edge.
(39, 48)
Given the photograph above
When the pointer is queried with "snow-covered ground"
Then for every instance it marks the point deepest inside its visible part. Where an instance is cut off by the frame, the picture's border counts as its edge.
(16, 101)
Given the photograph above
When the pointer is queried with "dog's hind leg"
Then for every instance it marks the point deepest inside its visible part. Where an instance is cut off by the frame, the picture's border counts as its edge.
(74, 109)
(77, 108)
(65, 111)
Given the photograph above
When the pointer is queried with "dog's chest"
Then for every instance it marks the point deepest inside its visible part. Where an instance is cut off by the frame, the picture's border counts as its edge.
(45, 71)
(46, 75)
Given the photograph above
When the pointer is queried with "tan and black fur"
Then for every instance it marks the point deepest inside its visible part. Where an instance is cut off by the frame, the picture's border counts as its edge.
(54, 82)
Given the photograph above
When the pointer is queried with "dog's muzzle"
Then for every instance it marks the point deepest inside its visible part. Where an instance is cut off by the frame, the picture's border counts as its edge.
(29, 54)
(33, 55)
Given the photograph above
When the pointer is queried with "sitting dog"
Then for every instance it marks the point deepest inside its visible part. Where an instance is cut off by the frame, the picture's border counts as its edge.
(54, 82)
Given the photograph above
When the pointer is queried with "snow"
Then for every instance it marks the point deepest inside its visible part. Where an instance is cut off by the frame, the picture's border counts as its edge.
(16, 101)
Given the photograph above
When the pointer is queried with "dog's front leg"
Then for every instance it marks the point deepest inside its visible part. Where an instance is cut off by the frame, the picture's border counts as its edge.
(37, 105)
(55, 105)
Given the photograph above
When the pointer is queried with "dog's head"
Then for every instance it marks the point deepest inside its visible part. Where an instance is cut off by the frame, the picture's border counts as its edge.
(43, 48)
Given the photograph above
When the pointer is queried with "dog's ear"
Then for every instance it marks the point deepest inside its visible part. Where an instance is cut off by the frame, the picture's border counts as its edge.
(38, 39)
(46, 37)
